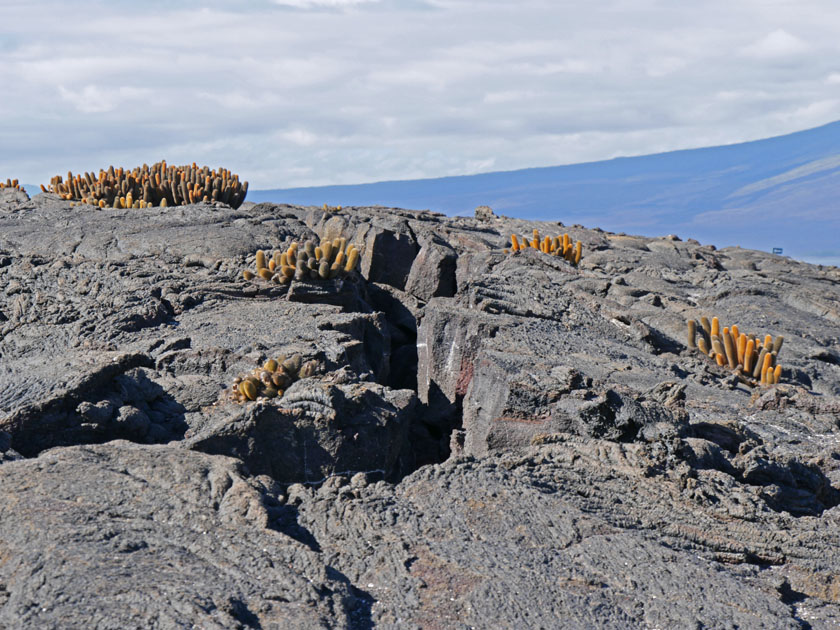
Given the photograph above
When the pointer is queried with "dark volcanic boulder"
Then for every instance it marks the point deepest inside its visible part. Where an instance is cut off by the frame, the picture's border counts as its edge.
(125, 536)
(315, 431)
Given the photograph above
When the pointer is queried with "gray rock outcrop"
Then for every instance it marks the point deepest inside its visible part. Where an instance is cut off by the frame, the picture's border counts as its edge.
(490, 440)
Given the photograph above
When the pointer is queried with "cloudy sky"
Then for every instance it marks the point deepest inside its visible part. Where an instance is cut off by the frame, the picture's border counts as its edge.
(310, 92)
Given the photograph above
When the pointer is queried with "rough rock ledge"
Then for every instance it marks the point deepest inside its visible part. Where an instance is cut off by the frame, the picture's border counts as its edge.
(489, 441)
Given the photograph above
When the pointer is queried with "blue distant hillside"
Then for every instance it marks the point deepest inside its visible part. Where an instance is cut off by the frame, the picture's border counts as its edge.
(778, 192)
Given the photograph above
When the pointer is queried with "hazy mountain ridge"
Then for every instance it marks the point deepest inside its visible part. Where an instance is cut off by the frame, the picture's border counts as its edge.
(776, 192)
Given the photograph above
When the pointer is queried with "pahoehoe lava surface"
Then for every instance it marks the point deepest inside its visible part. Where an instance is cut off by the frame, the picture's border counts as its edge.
(482, 440)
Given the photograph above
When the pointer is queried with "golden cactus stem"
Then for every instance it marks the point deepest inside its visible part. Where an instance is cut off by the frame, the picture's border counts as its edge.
(248, 275)
(717, 346)
(715, 327)
(777, 374)
(692, 333)
(703, 346)
(756, 372)
(514, 243)
(704, 322)
(749, 352)
(777, 345)
(260, 259)
(248, 389)
(352, 259)
(768, 342)
(578, 252)
(731, 352)
(721, 360)
(736, 334)
(766, 365)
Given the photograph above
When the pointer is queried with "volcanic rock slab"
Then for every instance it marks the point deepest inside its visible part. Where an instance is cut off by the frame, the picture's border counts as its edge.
(490, 440)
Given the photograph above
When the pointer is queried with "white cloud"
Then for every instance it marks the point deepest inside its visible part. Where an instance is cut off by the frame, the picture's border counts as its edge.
(778, 44)
(303, 92)
(93, 99)
(320, 4)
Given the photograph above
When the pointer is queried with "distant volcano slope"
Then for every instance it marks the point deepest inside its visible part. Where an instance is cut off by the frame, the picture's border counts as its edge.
(779, 192)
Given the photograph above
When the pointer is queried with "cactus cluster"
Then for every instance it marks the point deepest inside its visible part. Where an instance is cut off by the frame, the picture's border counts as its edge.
(11, 183)
(328, 260)
(146, 186)
(557, 246)
(753, 359)
(272, 379)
